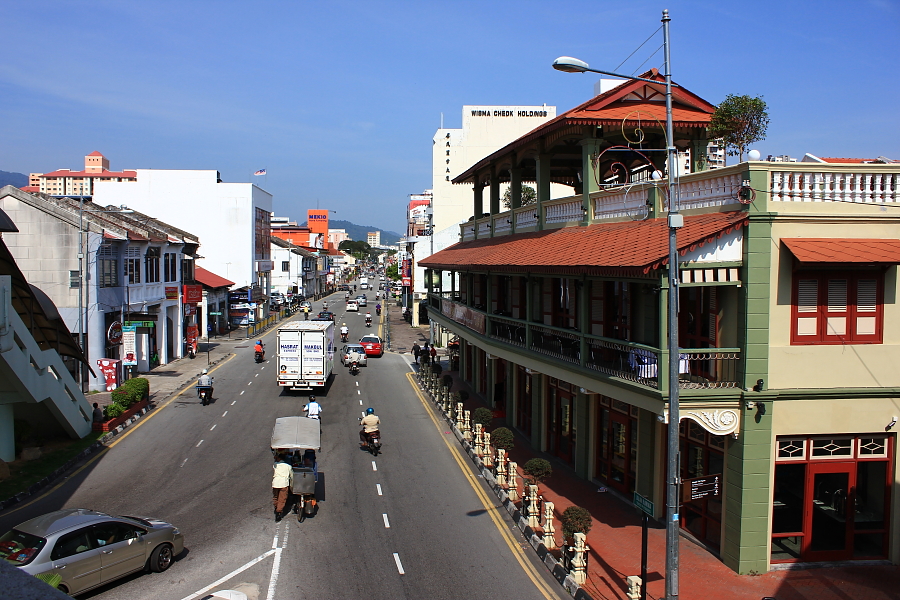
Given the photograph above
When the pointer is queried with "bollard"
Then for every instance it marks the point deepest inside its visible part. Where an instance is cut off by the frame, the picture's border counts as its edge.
(549, 530)
(534, 517)
(579, 559)
(467, 425)
(460, 424)
(634, 587)
(479, 439)
(513, 481)
(488, 451)
(501, 467)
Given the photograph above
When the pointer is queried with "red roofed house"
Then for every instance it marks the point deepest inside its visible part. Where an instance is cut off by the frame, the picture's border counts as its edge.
(64, 182)
(788, 325)
(215, 300)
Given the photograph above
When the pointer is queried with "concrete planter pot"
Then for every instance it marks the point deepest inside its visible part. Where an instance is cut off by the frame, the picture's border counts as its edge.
(113, 423)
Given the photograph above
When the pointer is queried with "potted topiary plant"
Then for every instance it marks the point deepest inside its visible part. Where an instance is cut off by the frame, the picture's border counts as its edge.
(537, 470)
(575, 519)
(447, 380)
(483, 416)
(503, 438)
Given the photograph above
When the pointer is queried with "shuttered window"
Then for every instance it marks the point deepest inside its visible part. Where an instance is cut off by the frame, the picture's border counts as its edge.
(837, 308)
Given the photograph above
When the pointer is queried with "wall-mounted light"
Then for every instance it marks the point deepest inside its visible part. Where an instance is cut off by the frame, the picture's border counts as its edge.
(890, 425)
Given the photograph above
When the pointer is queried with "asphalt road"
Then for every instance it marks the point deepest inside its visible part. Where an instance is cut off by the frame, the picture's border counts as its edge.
(415, 522)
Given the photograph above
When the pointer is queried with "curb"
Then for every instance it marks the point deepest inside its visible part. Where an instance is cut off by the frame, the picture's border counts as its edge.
(58, 474)
(554, 566)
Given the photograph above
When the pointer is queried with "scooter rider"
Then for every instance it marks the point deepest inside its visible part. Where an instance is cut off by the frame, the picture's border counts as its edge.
(259, 347)
(368, 319)
(205, 381)
(378, 309)
(370, 424)
(313, 409)
(344, 332)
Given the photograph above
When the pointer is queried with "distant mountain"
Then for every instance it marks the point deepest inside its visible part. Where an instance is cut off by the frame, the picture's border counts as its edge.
(16, 179)
(359, 233)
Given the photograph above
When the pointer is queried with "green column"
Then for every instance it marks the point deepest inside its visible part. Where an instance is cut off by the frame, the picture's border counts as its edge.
(589, 148)
(584, 317)
(582, 420)
(479, 201)
(748, 496)
(542, 168)
(699, 159)
(537, 411)
(495, 191)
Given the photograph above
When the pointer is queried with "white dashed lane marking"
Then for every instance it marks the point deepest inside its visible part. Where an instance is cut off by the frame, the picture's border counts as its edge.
(378, 487)
(213, 427)
(374, 466)
(399, 564)
(387, 524)
(198, 444)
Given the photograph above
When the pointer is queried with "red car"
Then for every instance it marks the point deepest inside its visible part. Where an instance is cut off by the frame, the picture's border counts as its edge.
(372, 345)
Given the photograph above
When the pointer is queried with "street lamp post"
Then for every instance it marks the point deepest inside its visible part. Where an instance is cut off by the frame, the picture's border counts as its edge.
(675, 221)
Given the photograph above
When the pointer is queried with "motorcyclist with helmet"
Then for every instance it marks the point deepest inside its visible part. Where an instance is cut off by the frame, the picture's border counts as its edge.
(259, 351)
(205, 382)
(344, 332)
(370, 425)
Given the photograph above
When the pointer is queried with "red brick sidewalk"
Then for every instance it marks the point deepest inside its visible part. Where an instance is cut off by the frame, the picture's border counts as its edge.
(615, 542)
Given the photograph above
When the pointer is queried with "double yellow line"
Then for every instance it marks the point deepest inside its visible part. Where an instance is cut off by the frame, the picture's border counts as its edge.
(489, 506)
(116, 441)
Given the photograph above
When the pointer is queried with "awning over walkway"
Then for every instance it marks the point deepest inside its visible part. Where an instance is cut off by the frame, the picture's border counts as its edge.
(844, 250)
(629, 247)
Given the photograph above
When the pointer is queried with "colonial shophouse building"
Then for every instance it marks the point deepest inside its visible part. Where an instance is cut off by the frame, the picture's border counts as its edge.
(789, 325)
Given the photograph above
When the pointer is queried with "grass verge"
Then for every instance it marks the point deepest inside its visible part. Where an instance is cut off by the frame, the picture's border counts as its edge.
(24, 474)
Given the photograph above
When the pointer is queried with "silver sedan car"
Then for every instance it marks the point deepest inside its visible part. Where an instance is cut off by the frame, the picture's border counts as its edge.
(88, 549)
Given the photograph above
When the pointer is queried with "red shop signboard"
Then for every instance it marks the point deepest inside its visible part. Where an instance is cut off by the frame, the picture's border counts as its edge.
(193, 294)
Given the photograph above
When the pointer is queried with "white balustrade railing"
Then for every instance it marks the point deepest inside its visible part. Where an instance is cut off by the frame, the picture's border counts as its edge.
(563, 212)
(526, 217)
(826, 186)
(502, 224)
(484, 229)
(468, 232)
(713, 191)
(624, 203)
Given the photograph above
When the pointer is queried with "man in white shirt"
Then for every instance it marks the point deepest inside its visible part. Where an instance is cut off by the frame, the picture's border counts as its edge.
(313, 409)
(281, 485)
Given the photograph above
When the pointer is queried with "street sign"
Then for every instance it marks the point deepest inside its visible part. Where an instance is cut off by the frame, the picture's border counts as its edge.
(643, 503)
(701, 487)
(215, 314)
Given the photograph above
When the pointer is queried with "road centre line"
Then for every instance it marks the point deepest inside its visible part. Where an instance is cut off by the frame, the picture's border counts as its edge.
(249, 383)
(377, 487)
(237, 571)
(399, 564)
(198, 444)
(224, 413)
(233, 402)
(242, 392)
(357, 384)
(276, 565)
(490, 507)
(121, 437)
(182, 463)
(213, 427)
(387, 524)
(360, 401)
(257, 375)
(374, 466)
(358, 392)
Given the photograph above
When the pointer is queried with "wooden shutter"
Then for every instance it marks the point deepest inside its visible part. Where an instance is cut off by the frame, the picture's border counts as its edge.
(807, 308)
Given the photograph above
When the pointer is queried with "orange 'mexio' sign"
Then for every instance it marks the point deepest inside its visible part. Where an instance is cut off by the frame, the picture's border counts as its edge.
(317, 220)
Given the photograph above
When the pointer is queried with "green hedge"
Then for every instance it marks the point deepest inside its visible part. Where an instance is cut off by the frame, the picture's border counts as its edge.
(130, 392)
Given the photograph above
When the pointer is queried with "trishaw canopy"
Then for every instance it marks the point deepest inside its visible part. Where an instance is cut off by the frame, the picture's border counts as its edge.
(296, 433)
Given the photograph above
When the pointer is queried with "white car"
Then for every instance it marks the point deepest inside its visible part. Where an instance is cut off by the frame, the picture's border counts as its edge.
(352, 305)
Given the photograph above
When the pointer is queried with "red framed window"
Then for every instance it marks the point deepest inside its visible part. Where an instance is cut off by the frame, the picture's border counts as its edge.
(837, 307)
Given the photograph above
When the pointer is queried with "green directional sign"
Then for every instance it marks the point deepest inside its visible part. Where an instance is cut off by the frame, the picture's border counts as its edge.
(643, 503)
(215, 314)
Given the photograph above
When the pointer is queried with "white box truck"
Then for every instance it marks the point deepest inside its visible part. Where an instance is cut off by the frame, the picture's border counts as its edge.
(305, 354)
(364, 283)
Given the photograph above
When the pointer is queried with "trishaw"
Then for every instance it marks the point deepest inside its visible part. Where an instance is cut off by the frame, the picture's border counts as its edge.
(298, 438)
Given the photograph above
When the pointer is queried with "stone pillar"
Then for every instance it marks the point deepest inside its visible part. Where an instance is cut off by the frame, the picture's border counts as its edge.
(513, 481)
(579, 560)
(634, 587)
(534, 516)
(549, 530)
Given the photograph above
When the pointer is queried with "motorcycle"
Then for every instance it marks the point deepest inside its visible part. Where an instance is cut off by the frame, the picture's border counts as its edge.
(189, 349)
(354, 368)
(378, 310)
(259, 356)
(374, 445)
(344, 337)
(204, 393)
(368, 321)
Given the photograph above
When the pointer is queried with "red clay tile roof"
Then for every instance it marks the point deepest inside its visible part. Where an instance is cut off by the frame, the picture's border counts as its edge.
(30, 188)
(210, 279)
(610, 108)
(101, 175)
(844, 250)
(95, 153)
(602, 249)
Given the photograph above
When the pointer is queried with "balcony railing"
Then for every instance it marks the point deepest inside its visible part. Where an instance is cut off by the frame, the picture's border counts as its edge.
(699, 368)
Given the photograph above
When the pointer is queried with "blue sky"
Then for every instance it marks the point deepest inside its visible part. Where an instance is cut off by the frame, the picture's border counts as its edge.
(339, 100)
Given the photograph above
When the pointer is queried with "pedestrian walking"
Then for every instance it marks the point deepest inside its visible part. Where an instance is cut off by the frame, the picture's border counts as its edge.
(281, 485)
(433, 354)
(416, 349)
(424, 354)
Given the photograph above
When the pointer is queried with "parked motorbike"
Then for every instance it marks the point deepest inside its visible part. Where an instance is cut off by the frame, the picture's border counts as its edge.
(189, 349)
(354, 368)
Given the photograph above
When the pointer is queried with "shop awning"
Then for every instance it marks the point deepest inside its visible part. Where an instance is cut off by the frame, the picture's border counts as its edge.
(844, 250)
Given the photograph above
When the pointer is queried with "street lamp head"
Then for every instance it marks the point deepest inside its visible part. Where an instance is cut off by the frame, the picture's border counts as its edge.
(567, 64)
